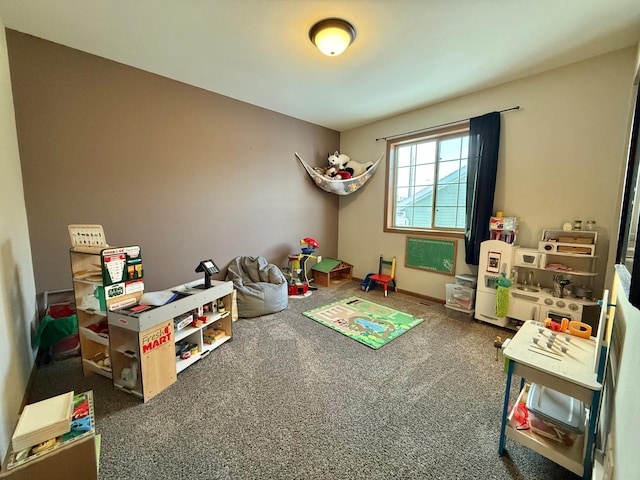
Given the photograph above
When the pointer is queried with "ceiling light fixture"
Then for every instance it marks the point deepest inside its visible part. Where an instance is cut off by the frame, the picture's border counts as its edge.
(332, 36)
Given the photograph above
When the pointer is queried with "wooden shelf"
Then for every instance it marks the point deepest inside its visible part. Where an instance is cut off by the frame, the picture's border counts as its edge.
(93, 336)
(89, 267)
(94, 367)
(150, 335)
(569, 457)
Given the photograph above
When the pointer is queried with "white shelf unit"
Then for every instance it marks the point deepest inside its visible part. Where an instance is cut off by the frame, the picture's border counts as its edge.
(195, 335)
(143, 345)
(573, 253)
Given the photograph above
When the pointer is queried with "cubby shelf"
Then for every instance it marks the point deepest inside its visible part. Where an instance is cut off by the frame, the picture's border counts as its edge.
(145, 359)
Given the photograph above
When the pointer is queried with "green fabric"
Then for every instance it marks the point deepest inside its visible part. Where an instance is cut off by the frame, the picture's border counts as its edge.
(52, 330)
(502, 301)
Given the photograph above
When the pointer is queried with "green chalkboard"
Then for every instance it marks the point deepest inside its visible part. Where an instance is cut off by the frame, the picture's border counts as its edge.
(431, 253)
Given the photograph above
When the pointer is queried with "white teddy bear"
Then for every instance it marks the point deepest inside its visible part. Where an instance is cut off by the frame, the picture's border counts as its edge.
(340, 161)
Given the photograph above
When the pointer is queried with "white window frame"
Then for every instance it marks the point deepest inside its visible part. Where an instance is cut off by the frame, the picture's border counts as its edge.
(390, 225)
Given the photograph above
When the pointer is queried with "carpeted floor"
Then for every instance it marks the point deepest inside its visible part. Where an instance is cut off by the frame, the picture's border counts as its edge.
(289, 398)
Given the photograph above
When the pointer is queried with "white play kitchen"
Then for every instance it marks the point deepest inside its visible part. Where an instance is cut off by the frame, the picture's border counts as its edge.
(552, 281)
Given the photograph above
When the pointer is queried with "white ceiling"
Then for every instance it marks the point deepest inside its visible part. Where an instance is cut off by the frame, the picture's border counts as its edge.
(407, 54)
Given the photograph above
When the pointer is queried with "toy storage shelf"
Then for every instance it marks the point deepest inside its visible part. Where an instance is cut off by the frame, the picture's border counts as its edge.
(147, 350)
(570, 457)
(572, 373)
(88, 273)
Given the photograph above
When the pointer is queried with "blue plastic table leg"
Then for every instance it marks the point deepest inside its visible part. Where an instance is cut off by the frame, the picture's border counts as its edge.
(505, 408)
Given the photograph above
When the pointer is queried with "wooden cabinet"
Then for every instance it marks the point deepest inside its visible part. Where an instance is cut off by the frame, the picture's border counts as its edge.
(151, 345)
(103, 278)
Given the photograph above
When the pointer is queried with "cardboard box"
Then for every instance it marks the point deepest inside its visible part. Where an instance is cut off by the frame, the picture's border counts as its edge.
(76, 460)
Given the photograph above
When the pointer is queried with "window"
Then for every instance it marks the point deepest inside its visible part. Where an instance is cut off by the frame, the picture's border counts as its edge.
(628, 252)
(427, 181)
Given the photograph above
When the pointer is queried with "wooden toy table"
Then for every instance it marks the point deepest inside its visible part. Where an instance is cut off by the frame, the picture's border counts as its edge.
(572, 372)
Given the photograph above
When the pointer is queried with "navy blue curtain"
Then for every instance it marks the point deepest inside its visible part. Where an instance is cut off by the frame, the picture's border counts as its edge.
(484, 142)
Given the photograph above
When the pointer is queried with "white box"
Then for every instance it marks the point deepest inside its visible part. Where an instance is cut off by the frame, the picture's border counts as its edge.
(526, 257)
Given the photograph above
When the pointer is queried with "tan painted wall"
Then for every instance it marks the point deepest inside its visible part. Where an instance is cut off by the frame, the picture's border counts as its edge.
(17, 288)
(185, 173)
(562, 157)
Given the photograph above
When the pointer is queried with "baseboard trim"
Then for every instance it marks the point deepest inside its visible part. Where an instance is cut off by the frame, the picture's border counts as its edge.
(413, 294)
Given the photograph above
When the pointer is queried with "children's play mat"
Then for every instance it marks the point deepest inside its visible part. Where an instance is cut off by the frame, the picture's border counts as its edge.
(367, 322)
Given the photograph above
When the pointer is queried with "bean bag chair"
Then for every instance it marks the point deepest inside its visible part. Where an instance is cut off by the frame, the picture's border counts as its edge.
(261, 287)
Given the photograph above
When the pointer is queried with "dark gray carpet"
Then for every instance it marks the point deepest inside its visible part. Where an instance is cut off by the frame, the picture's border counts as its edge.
(289, 398)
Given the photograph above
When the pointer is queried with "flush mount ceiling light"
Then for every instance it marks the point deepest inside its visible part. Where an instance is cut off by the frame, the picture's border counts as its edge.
(332, 36)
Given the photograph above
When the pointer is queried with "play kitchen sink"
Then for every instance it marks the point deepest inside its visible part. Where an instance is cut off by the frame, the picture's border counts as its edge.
(527, 288)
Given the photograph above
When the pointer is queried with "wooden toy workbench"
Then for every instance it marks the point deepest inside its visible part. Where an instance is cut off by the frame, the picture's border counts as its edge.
(568, 365)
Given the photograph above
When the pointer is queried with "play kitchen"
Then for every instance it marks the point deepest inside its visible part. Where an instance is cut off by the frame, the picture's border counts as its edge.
(553, 281)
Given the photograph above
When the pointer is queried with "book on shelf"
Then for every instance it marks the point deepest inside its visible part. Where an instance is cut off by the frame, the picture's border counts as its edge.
(81, 423)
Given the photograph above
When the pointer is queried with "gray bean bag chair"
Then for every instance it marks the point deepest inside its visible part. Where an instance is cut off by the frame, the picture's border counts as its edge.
(261, 287)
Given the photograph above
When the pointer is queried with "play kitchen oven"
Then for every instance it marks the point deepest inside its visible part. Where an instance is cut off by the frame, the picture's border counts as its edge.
(527, 305)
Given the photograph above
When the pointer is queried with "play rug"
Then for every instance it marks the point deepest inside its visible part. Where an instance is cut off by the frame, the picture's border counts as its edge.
(367, 322)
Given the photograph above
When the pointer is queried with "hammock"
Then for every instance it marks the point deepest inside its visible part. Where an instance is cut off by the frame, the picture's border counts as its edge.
(339, 187)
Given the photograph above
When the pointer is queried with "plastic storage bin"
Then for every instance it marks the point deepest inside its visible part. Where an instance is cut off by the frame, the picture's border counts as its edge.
(555, 415)
(467, 280)
(460, 296)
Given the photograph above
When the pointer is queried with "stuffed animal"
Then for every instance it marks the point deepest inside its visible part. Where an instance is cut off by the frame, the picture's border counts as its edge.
(344, 162)
(338, 160)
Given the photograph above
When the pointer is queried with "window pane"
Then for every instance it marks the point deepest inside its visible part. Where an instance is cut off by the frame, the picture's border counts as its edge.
(401, 194)
(425, 174)
(450, 148)
(449, 172)
(463, 171)
(426, 152)
(404, 177)
(403, 155)
(462, 195)
(447, 196)
(446, 217)
(464, 153)
(461, 217)
(422, 217)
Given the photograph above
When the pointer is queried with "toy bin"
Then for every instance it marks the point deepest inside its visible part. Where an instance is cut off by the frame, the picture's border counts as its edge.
(467, 280)
(555, 415)
(460, 296)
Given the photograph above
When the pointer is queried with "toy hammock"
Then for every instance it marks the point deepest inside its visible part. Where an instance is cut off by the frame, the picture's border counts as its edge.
(339, 187)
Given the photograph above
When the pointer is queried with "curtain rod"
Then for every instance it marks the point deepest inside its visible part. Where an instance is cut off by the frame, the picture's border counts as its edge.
(517, 107)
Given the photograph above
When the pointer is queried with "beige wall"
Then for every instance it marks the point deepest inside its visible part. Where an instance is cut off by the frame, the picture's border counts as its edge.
(17, 289)
(562, 157)
(185, 173)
